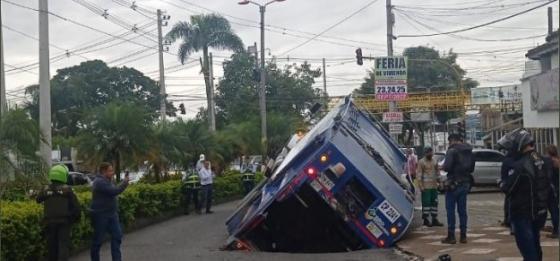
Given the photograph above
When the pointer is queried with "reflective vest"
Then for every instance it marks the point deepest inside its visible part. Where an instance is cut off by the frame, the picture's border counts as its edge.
(193, 181)
(248, 176)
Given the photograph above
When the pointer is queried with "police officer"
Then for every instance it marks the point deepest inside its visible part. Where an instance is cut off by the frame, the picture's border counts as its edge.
(528, 188)
(506, 144)
(61, 209)
(248, 181)
(192, 187)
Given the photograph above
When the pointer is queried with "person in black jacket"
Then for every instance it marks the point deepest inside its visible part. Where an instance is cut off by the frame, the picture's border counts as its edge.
(506, 169)
(459, 164)
(552, 161)
(528, 188)
(104, 212)
(61, 209)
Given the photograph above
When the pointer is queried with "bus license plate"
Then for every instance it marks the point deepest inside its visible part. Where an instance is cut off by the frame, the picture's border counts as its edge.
(325, 181)
(389, 211)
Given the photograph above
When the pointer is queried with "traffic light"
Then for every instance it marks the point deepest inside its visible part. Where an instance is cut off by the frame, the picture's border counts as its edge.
(359, 57)
(461, 129)
(256, 75)
(182, 108)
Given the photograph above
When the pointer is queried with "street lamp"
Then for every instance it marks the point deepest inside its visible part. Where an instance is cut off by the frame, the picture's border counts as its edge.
(262, 87)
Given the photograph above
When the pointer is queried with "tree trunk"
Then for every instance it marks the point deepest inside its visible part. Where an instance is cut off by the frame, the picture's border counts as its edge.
(117, 165)
(157, 171)
(205, 72)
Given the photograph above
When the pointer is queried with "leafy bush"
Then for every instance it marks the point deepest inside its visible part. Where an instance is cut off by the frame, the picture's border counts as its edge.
(22, 237)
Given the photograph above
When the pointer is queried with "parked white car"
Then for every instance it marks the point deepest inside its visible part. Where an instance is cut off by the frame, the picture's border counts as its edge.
(488, 164)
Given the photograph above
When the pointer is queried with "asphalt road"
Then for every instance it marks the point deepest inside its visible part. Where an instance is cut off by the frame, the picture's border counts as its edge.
(199, 237)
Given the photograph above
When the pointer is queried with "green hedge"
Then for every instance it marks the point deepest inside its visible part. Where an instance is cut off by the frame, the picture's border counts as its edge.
(20, 223)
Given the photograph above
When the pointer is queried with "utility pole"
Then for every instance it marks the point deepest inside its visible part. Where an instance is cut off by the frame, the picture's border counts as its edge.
(3, 103)
(325, 79)
(390, 23)
(262, 97)
(162, 108)
(212, 109)
(44, 83)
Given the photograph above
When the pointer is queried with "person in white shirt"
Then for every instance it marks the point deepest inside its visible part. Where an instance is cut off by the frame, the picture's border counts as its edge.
(206, 180)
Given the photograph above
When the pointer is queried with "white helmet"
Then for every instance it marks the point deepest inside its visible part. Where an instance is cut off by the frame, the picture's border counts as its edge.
(202, 157)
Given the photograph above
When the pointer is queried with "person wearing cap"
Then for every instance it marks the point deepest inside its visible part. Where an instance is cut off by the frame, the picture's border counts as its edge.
(428, 175)
(61, 209)
(528, 188)
(200, 163)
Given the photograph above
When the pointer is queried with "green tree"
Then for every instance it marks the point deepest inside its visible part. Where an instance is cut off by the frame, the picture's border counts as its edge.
(19, 141)
(79, 89)
(119, 133)
(289, 90)
(203, 32)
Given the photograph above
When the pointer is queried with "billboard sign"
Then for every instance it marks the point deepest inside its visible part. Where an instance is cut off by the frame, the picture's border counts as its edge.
(420, 116)
(395, 128)
(392, 117)
(391, 78)
(496, 95)
(544, 91)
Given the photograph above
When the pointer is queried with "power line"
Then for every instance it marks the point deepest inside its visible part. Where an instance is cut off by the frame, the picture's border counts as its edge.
(480, 25)
(330, 27)
(470, 38)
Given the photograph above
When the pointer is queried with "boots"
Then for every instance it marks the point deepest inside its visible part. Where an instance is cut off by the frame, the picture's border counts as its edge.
(427, 222)
(450, 239)
(463, 238)
(436, 223)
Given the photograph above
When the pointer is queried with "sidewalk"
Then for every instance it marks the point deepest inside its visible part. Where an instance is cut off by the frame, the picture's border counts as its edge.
(485, 243)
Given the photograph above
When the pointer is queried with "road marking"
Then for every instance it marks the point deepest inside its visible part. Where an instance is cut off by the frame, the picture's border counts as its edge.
(437, 243)
(446, 250)
(494, 228)
(423, 232)
(549, 244)
(475, 235)
(505, 233)
(486, 240)
(509, 259)
(479, 251)
(432, 237)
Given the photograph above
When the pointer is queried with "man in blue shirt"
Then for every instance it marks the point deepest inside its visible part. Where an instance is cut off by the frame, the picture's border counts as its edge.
(104, 212)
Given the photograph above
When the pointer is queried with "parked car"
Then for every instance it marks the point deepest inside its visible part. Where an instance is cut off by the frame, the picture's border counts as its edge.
(487, 166)
(78, 178)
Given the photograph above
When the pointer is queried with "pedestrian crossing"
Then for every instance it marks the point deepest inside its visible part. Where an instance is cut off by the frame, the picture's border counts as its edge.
(484, 243)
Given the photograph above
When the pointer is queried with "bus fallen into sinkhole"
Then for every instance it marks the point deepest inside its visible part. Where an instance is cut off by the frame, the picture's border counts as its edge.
(340, 188)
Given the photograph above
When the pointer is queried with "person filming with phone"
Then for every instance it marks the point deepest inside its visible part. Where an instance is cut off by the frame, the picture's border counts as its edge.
(104, 211)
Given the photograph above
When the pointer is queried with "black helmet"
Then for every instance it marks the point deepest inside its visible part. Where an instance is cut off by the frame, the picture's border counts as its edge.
(523, 138)
(515, 141)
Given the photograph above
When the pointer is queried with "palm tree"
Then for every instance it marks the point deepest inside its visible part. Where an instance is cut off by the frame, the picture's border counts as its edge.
(117, 133)
(203, 32)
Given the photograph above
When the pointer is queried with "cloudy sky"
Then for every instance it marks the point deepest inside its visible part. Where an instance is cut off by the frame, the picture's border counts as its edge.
(493, 55)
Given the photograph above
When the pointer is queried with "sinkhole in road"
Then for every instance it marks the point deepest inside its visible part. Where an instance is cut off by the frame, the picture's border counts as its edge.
(303, 225)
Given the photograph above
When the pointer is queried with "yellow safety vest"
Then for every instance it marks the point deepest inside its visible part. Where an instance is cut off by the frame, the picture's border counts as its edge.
(248, 176)
(193, 181)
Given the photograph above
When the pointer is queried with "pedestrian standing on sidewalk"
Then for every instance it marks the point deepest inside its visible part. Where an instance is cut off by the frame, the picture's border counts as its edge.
(104, 212)
(61, 209)
(191, 189)
(506, 170)
(428, 175)
(206, 179)
(528, 187)
(459, 164)
(410, 168)
(552, 161)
